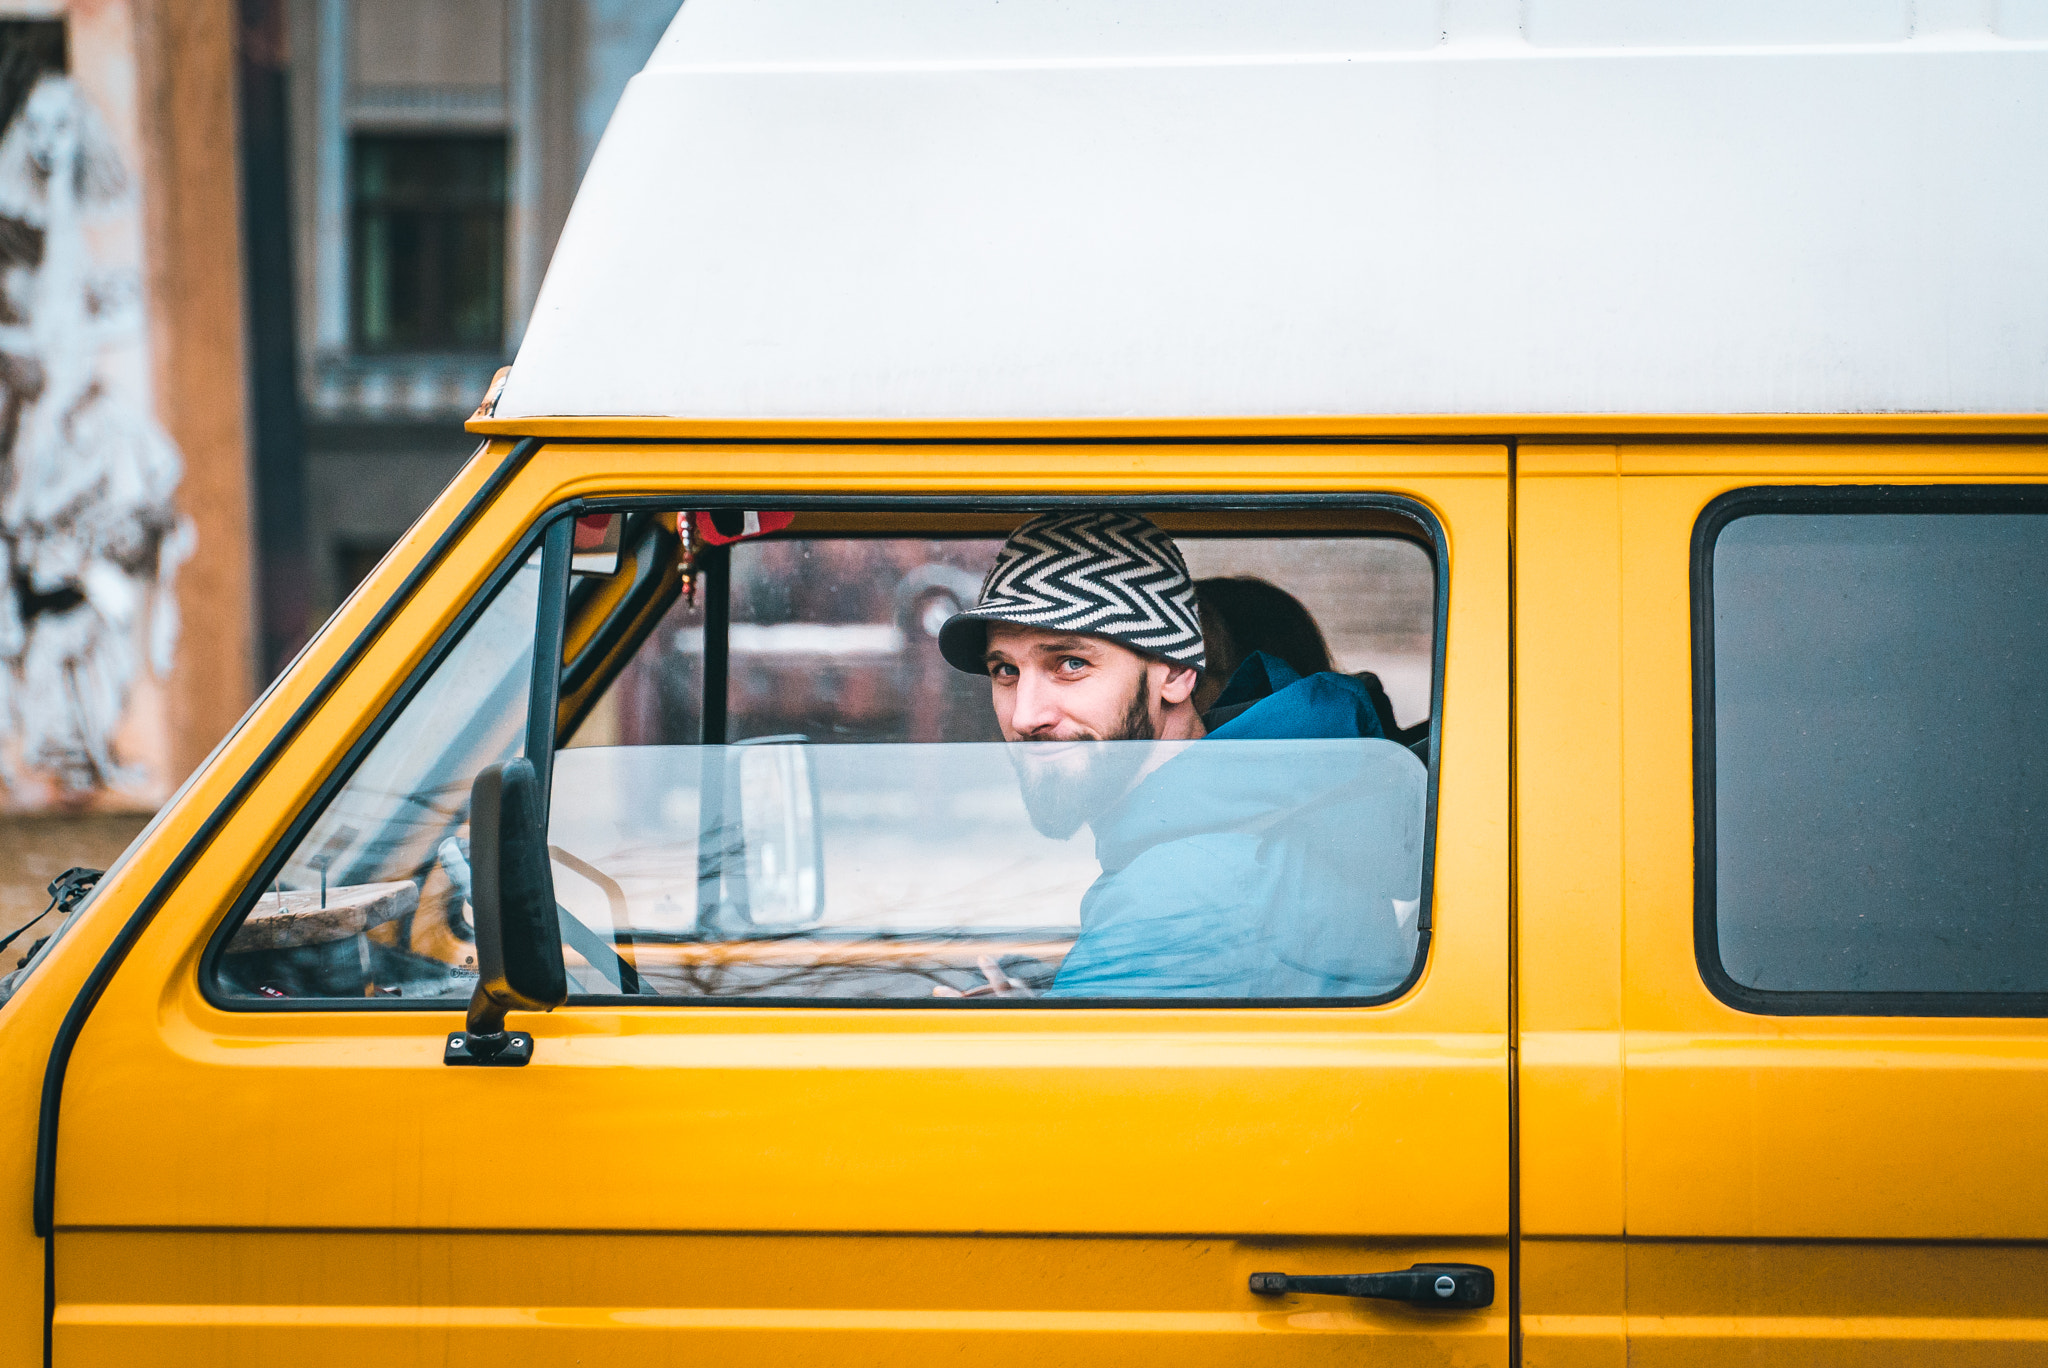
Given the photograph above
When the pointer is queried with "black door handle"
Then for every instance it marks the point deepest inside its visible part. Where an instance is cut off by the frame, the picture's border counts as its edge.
(1456, 1287)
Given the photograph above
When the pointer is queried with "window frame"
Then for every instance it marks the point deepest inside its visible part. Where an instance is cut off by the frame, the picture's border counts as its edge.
(1825, 500)
(544, 691)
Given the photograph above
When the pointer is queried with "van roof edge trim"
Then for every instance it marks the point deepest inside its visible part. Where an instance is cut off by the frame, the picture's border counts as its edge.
(1889, 424)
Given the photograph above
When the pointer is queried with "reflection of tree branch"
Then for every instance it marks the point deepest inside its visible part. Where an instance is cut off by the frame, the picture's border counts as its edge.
(854, 970)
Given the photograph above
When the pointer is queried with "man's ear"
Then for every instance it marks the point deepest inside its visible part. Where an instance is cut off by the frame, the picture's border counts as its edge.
(1180, 684)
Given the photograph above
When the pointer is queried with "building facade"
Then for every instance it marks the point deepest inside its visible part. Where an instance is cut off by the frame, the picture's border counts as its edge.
(258, 260)
(434, 152)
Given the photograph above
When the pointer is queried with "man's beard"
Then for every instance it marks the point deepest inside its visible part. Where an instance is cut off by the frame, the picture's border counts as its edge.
(1063, 792)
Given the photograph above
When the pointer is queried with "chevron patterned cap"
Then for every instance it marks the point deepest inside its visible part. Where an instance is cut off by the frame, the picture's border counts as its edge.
(1113, 575)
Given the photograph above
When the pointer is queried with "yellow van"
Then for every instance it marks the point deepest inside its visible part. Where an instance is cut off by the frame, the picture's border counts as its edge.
(621, 937)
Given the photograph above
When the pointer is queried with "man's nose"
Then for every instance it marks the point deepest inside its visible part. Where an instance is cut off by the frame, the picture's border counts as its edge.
(1035, 713)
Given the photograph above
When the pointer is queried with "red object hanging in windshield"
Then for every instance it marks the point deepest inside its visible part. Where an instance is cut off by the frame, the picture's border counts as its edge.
(727, 525)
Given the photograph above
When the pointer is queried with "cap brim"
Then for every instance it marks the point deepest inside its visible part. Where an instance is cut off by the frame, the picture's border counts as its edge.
(963, 641)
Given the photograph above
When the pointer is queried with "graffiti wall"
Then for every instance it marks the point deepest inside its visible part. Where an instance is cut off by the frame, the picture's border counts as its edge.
(91, 533)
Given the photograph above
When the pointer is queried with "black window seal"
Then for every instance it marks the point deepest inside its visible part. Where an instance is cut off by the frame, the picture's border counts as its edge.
(44, 1201)
(1428, 533)
(544, 692)
(1820, 499)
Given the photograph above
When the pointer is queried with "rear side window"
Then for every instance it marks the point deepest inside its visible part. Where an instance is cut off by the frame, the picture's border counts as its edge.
(1872, 711)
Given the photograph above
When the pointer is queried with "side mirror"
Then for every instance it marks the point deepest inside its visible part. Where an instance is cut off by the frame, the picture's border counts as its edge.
(512, 897)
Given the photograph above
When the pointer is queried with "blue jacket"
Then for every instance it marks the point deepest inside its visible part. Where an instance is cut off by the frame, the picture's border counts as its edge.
(1287, 864)
(1266, 700)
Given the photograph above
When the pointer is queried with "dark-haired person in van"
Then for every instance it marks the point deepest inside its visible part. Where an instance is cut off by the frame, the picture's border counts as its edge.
(1243, 615)
(1284, 870)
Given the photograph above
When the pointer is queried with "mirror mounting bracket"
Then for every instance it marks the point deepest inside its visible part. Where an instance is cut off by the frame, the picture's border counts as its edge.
(491, 1049)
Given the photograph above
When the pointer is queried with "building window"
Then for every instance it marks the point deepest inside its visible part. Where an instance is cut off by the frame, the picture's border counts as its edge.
(429, 249)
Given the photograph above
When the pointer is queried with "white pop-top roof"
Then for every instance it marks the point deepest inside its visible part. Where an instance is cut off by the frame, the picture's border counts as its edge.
(960, 209)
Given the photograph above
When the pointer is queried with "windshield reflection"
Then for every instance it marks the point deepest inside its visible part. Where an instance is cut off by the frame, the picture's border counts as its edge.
(1254, 869)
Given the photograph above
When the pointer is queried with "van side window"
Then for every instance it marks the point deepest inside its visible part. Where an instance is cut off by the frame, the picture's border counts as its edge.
(773, 779)
(1873, 763)
(371, 901)
(843, 820)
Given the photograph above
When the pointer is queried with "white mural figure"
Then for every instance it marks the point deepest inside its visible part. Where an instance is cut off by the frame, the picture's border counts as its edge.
(89, 535)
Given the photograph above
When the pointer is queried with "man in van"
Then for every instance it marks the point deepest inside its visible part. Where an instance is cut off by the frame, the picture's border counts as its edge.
(1228, 872)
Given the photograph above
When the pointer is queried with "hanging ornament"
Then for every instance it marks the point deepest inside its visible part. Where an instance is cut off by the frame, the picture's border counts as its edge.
(686, 556)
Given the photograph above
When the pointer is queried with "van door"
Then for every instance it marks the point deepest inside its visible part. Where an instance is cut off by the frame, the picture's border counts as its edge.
(264, 1157)
(1793, 1056)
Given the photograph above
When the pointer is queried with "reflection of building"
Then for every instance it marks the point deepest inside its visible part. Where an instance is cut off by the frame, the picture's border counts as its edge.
(836, 638)
(433, 153)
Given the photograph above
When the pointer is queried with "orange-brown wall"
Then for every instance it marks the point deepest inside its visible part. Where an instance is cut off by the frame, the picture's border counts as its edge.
(186, 65)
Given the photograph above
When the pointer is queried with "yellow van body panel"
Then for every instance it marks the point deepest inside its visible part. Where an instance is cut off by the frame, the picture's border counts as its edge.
(346, 1299)
(1692, 1184)
(1067, 1180)
(29, 1021)
(1528, 427)
(1700, 1184)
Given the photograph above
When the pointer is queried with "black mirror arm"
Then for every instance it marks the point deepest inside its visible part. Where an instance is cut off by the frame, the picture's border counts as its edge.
(486, 1013)
(518, 935)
